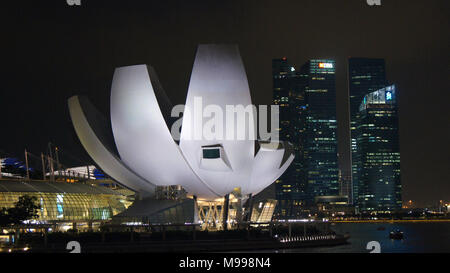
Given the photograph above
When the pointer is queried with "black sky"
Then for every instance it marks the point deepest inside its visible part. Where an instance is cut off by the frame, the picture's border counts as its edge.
(51, 51)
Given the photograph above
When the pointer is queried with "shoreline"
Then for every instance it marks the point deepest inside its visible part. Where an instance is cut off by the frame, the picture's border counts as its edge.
(392, 221)
(197, 246)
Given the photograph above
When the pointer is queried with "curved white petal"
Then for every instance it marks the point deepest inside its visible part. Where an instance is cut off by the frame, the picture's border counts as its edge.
(267, 168)
(148, 152)
(105, 159)
(141, 134)
(218, 78)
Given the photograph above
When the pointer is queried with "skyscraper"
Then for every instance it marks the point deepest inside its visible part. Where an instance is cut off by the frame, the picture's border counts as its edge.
(378, 152)
(321, 129)
(289, 94)
(345, 184)
(365, 75)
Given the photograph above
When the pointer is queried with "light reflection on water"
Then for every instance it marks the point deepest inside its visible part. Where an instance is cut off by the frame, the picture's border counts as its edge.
(418, 238)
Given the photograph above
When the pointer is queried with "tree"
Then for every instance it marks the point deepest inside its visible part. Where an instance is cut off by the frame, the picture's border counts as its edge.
(24, 209)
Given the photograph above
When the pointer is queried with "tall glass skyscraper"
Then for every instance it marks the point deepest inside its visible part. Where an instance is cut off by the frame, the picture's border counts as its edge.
(365, 75)
(378, 152)
(289, 94)
(322, 173)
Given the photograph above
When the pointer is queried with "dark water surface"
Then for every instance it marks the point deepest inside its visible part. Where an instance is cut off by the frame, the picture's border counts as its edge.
(418, 238)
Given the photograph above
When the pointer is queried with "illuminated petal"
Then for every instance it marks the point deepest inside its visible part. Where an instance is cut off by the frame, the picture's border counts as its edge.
(268, 165)
(141, 134)
(218, 78)
(88, 126)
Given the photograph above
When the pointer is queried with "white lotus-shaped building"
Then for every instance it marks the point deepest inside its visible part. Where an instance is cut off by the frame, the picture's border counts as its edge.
(141, 152)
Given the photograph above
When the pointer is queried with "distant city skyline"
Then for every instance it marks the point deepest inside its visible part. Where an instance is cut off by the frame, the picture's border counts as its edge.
(307, 102)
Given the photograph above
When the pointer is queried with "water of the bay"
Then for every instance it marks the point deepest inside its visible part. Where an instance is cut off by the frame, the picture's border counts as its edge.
(432, 237)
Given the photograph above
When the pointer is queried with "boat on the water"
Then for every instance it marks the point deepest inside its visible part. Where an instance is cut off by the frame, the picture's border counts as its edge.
(396, 235)
(381, 228)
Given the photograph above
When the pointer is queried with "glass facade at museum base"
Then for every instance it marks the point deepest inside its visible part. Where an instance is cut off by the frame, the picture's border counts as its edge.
(65, 202)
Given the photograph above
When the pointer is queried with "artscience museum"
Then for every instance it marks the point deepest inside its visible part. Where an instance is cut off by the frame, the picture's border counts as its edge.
(136, 148)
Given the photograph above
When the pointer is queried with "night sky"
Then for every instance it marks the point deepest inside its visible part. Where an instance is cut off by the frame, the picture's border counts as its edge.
(51, 51)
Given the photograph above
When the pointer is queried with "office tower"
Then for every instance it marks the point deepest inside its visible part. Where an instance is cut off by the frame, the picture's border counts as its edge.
(378, 152)
(289, 94)
(321, 129)
(345, 184)
(365, 75)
